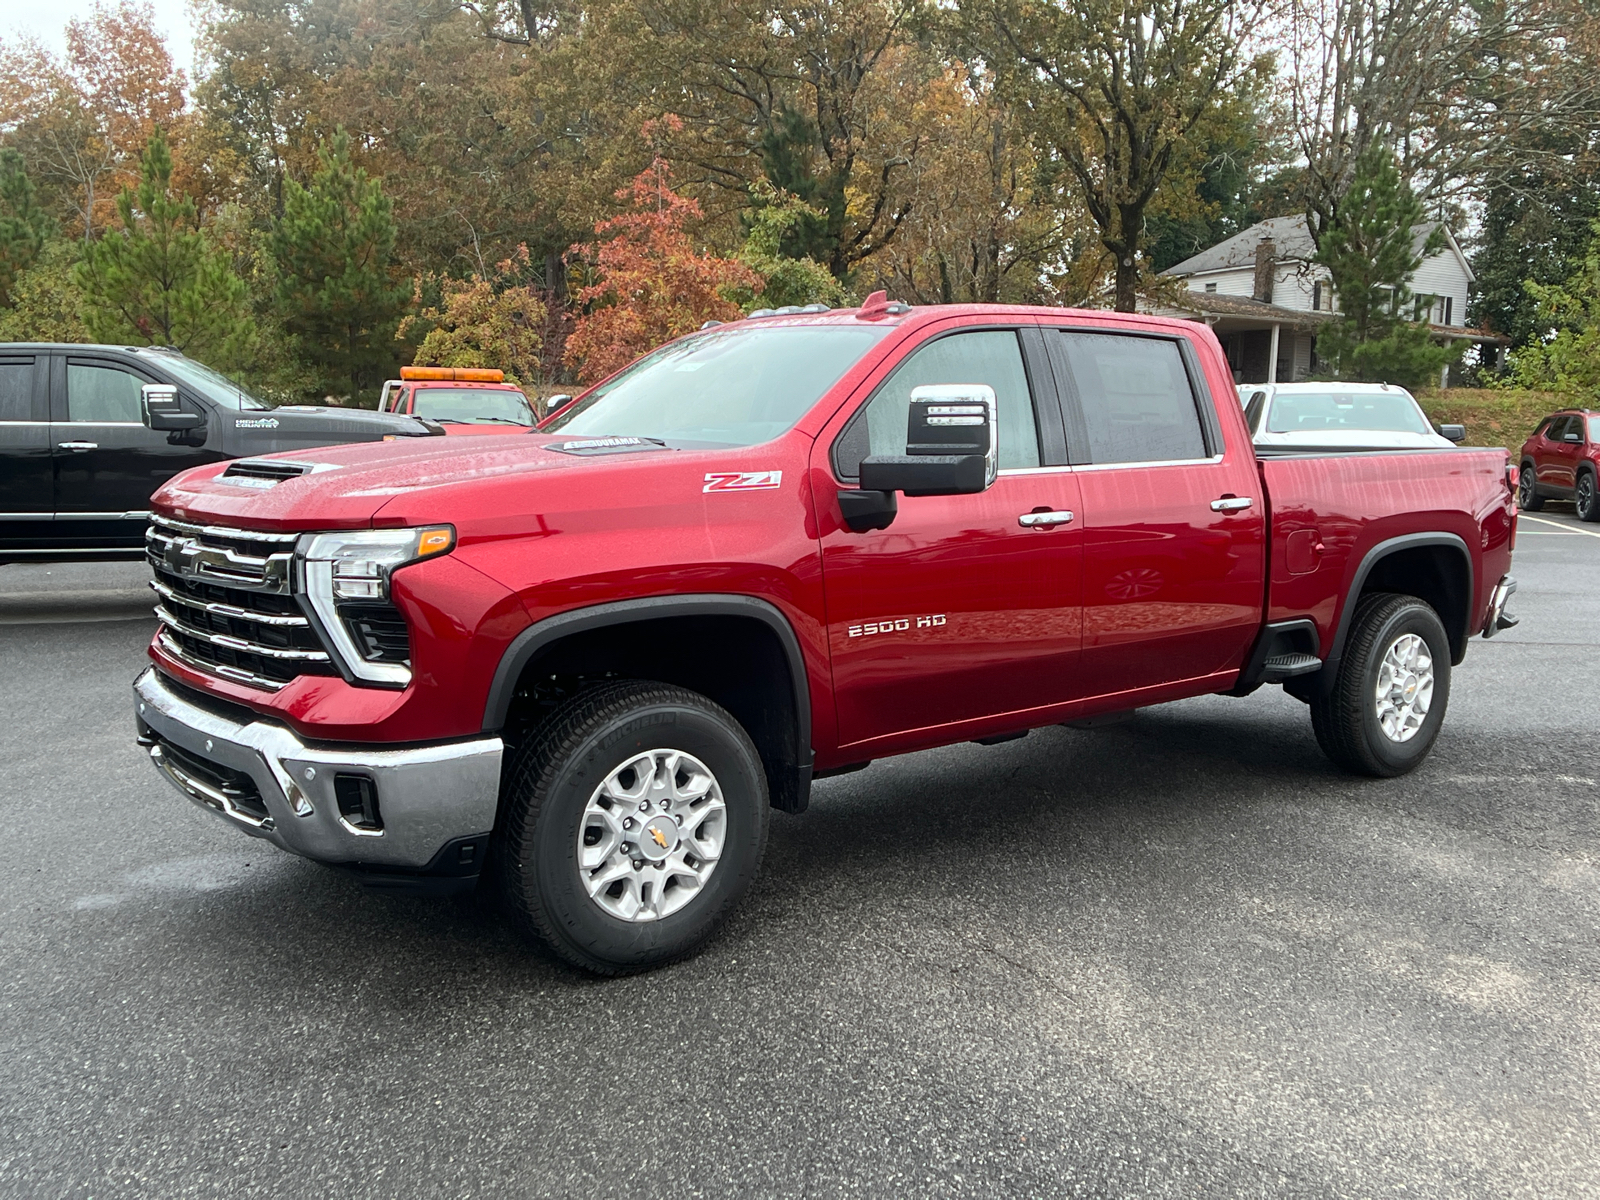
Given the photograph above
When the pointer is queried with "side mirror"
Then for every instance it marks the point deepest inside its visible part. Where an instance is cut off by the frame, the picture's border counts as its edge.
(1455, 433)
(560, 400)
(160, 410)
(951, 450)
(1572, 437)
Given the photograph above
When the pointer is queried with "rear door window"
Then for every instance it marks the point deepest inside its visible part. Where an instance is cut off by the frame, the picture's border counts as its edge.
(1133, 395)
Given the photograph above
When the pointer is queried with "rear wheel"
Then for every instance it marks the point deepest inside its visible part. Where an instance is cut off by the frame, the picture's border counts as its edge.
(1585, 498)
(1393, 685)
(635, 819)
(1528, 498)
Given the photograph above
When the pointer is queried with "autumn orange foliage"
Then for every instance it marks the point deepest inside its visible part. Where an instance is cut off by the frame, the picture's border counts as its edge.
(650, 284)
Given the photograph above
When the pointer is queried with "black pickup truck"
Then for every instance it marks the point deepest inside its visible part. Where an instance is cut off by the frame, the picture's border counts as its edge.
(82, 448)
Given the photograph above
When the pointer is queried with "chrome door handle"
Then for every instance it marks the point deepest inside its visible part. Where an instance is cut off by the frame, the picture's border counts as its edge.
(78, 447)
(1043, 520)
(1231, 504)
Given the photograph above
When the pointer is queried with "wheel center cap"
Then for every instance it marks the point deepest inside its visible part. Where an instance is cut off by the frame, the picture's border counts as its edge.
(1411, 687)
(658, 838)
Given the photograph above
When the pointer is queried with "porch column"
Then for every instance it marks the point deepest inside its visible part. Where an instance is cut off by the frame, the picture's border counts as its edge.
(1272, 358)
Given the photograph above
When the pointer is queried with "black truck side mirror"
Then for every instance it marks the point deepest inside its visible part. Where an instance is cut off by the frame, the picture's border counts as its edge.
(951, 450)
(160, 409)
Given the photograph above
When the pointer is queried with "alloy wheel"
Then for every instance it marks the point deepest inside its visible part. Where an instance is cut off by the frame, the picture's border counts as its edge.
(1405, 687)
(651, 835)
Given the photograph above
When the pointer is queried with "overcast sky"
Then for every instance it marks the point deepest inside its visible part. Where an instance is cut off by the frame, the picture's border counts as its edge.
(48, 23)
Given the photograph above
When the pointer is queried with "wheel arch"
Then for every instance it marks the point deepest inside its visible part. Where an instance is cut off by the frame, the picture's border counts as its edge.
(1435, 567)
(739, 651)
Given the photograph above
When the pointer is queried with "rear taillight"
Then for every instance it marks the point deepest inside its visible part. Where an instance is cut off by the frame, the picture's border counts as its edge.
(1512, 477)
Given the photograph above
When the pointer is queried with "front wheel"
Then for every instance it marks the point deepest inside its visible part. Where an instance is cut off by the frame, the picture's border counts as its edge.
(1528, 498)
(1389, 696)
(635, 819)
(1585, 499)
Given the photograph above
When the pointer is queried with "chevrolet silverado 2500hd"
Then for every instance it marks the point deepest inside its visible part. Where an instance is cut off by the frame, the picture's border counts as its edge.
(592, 657)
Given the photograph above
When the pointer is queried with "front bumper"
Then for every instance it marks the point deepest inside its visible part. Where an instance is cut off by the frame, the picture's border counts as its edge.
(435, 804)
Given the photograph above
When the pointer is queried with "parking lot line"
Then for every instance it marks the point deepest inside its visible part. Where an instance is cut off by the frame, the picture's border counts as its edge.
(1558, 525)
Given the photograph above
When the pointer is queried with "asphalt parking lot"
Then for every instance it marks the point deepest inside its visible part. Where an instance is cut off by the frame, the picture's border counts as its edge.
(1178, 957)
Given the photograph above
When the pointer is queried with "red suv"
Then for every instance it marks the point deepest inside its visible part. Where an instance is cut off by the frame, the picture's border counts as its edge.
(1562, 461)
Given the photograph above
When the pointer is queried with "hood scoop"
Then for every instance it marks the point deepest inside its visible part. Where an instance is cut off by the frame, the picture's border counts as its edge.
(268, 472)
(590, 447)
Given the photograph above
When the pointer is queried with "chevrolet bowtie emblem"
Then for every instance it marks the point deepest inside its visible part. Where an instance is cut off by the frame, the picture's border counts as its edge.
(659, 838)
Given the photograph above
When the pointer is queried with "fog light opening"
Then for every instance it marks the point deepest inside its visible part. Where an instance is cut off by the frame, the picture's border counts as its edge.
(357, 796)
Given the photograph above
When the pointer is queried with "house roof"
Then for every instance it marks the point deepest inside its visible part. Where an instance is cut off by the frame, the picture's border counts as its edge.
(1292, 235)
(1211, 304)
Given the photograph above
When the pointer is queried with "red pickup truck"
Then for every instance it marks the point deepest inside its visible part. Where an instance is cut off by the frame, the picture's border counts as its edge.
(586, 661)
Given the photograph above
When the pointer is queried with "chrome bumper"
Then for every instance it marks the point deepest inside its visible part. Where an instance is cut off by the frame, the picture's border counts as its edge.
(427, 798)
(1499, 618)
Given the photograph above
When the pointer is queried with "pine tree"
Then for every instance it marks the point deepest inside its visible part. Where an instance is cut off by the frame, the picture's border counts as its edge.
(338, 299)
(24, 226)
(157, 279)
(1370, 251)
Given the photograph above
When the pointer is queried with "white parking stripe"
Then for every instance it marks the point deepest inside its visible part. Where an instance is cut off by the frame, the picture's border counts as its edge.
(1558, 525)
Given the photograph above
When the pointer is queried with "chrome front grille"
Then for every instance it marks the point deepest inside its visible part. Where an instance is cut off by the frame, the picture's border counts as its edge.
(227, 605)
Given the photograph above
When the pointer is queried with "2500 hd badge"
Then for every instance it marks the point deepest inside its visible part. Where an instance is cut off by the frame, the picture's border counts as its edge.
(896, 625)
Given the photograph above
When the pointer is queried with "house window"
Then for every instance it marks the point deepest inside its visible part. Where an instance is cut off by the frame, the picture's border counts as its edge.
(1211, 288)
(1449, 307)
(1316, 295)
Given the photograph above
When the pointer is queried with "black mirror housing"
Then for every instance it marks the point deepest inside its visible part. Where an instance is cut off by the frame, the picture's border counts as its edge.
(925, 474)
(1455, 433)
(160, 410)
(864, 510)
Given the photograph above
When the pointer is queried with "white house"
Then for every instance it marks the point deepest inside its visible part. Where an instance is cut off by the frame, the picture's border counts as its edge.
(1265, 297)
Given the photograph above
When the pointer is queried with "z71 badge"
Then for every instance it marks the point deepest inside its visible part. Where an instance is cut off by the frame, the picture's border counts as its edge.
(741, 481)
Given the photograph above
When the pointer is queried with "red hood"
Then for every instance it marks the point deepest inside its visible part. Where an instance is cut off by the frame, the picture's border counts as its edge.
(352, 482)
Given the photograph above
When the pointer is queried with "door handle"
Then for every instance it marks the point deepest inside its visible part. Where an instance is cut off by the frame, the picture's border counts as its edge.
(78, 447)
(1043, 520)
(1231, 504)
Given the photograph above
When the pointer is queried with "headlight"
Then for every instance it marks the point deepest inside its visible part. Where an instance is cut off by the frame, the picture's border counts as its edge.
(353, 569)
(362, 560)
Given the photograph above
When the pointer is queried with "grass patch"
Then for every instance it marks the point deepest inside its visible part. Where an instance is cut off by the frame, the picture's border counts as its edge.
(1493, 416)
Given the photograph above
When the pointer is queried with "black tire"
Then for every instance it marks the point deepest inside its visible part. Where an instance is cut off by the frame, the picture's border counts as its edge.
(550, 781)
(1528, 498)
(1586, 497)
(1346, 719)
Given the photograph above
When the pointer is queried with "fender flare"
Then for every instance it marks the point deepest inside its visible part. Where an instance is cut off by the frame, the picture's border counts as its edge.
(540, 634)
(1371, 559)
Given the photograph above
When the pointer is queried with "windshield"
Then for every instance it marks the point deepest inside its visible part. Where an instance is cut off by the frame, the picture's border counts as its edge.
(1315, 412)
(1594, 429)
(214, 385)
(491, 406)
(735, 386)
